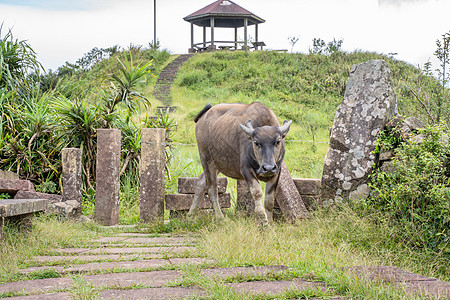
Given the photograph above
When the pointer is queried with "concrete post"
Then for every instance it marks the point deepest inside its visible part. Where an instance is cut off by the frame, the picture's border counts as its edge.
(71, 175)
(244, 199)
(107, 176)
(152, 173)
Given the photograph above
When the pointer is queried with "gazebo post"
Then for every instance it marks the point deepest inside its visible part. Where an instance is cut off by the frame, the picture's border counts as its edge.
(256, 34)
(204, 36)
(213, 47)
(235, 38)
(245, 33)
(192, 35)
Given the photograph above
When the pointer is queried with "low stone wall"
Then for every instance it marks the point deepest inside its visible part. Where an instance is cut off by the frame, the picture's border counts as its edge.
(179, 204)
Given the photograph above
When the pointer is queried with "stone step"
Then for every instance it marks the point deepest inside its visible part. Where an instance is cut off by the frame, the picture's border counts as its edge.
(146, 279)
(125, 250)
(167, 76)
(162, 241)
(119, 265)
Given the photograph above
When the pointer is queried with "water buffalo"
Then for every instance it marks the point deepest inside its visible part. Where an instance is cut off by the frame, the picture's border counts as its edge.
(241, 141)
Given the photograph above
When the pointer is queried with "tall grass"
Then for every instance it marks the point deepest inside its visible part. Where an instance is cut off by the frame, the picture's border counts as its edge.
(325, 246)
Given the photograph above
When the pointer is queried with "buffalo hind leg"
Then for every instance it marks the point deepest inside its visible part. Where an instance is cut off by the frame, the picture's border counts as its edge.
(211, 185)
(199, 195)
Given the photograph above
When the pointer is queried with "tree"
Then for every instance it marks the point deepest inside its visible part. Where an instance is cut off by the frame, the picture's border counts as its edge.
(292, 41)
(435, 104)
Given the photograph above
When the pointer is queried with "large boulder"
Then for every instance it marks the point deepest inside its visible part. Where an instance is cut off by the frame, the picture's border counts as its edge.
(369, 102)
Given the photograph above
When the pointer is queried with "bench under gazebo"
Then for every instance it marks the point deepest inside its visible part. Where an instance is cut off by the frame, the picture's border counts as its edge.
(224, 14)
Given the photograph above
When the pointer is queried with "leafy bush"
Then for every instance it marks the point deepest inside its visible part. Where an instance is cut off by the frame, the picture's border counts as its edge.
(414, 196)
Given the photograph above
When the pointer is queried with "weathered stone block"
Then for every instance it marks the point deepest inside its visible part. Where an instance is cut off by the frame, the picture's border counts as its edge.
(188, 185)
(12, 186)
(288, 197)
(71, 175)
(369, 102)
(308, 186)
(14, 207)
(184, 201)
(8, 175)
(68, 209)
(152, 173)
(244, 199)
(52, 198)
(107, 176)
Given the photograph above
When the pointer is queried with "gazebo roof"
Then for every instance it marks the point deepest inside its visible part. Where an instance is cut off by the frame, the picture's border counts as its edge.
(226, 13)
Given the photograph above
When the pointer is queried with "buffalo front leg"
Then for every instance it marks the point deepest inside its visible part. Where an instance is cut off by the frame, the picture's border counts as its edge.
(257, 193)
(199, 195)
(269, 199)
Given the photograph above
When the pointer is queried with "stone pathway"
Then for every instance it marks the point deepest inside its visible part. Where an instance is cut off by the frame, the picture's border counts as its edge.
(166, 78)
(137, 266)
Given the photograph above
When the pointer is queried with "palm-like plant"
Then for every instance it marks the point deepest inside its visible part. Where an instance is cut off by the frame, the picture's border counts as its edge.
(123, 88)
(17, 60)
(78, 121)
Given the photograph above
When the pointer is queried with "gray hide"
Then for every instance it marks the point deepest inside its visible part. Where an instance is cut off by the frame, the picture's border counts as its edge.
(241, 141)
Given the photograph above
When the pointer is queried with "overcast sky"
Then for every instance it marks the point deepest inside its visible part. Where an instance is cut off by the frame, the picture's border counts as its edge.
(63, 30)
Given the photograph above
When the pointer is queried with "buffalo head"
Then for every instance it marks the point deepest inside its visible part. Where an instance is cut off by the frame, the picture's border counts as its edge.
(268, 146)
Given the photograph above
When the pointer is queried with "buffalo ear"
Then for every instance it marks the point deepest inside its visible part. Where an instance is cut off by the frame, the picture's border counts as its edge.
(248, 128)
(284, 129)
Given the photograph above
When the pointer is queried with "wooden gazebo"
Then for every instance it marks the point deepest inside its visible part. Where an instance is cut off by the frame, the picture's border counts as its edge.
(225, 14)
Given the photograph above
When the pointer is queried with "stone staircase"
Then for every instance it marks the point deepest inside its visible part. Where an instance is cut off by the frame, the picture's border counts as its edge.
(145, 266)
(166, 78)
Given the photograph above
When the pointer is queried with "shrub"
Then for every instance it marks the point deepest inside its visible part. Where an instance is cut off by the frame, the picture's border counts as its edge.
(415, 195)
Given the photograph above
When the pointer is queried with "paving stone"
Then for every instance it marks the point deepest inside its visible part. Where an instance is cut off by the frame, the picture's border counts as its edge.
(148, 279)
(146, 240)
(161, 241)
(230, 272)
(142, 264)
(275, 287)
(38, 285)
(71, 250)
(109, 239)
(190, 261)
(163, 293)
(90, 258)
(115, 265)
(52, 296)
(155, 250)
(411, 282)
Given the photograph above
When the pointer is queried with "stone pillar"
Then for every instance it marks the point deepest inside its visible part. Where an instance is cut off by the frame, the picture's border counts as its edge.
(288, 197)
(244, 198)
(71, 175)
(107, 176)
(152, 173)
(369, 102)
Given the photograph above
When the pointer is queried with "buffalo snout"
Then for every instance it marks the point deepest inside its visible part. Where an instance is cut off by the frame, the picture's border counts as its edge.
(267, 170)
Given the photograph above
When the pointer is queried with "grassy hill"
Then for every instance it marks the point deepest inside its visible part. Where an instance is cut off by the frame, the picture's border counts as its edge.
(304, 88)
